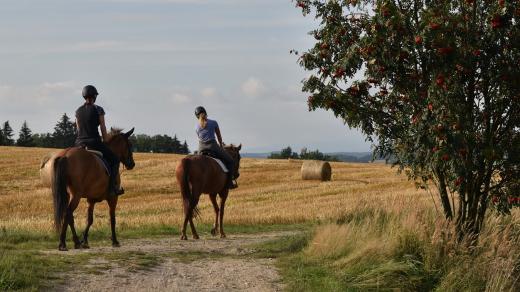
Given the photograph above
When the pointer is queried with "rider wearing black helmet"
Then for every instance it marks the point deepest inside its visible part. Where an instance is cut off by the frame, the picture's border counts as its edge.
(89, 117)
(206, 130)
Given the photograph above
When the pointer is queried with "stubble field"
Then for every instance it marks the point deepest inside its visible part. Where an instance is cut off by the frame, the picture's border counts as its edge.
(367, 229)
(270, 192)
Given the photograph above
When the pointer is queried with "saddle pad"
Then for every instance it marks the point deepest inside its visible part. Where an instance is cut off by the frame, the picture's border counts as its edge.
(98, 153)
(224, 168)
(99, 157)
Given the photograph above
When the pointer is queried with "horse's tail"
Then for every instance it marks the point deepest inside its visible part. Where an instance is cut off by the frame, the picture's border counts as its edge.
(189, 200)
(59, 190)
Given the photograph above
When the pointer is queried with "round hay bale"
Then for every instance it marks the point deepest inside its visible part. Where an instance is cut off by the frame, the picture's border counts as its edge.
(316, 170)
(46, 166)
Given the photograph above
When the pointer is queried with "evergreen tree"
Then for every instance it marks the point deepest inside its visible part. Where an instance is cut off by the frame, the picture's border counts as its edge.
(176, 145)
(2, 139)
(64, 133)
(7, 132)
(185, 149)
(25, 137)
(43, 140)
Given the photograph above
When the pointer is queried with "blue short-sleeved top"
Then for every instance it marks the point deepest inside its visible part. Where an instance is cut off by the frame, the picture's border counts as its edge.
(208, 133)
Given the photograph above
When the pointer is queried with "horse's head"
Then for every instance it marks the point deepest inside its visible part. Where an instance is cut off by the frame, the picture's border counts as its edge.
(119, 143)
(234, 151)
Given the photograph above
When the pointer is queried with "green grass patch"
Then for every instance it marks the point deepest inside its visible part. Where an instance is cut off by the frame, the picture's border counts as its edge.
(33, 270)
(284, 246)
(301, 274)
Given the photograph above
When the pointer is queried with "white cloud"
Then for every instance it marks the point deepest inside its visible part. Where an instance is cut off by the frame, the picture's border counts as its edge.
(5, 90)
(179, 98)
(253, 87)
(166, 1)
(40, 94)
(93, 46)
(208, 92)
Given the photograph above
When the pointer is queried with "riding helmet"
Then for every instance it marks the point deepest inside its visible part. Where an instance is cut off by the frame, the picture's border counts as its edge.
(200, 110)
(90, 91)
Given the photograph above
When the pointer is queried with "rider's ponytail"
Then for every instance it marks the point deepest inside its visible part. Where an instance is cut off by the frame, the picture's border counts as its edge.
(203, 120)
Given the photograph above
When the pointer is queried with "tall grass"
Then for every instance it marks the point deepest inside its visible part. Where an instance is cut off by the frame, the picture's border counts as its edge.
(411, 249)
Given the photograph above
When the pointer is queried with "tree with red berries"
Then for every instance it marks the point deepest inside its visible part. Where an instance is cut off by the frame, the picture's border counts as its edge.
(433, 84)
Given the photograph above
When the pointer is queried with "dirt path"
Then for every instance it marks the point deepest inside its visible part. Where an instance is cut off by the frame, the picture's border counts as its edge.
(169, 264)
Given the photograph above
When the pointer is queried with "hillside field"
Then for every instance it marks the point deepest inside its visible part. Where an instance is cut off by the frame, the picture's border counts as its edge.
(270, 192)
(368, 228)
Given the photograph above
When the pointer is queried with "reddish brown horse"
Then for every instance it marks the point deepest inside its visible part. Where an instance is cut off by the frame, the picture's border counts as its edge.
(205, 176)
(77, 173)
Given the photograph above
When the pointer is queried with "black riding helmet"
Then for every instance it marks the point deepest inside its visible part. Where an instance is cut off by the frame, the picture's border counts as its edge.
(200, 110)
(90, 91)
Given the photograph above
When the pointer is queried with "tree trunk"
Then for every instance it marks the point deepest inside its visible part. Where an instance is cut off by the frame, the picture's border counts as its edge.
(444, 195)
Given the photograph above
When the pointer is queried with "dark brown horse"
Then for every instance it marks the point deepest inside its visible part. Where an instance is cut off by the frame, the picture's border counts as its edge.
(77, 173)
(201, 174)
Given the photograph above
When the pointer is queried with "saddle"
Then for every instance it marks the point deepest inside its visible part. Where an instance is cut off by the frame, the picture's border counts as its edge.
(213, 156)
(99, 157)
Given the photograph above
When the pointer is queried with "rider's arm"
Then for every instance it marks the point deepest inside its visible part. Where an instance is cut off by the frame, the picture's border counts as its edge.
(103, 127)
(219, 136)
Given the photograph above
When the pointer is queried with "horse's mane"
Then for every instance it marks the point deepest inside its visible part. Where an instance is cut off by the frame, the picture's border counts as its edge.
(114, 132)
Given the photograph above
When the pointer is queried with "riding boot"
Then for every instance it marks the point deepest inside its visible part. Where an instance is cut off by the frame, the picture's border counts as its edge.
(114, 188)
(231, 184)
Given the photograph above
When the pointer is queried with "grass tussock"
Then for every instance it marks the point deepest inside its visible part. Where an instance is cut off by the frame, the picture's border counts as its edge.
(413, 250)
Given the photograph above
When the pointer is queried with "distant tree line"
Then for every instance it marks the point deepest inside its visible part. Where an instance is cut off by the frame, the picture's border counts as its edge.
(65, 133)
(158, 144)
(305, 154)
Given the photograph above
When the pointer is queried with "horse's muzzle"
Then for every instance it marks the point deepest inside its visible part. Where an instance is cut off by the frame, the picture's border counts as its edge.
(130, 165)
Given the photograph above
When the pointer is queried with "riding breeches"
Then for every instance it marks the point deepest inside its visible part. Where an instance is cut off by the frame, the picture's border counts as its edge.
(219, 152)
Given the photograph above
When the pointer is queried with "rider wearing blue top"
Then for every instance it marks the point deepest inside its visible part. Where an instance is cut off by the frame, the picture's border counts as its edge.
(206, 131)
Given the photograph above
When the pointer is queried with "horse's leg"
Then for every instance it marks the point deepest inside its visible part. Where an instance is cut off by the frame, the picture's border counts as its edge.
(196, 194)
(90, 220)
(112, 203)
(186, 213)
(213, 198)
(63, 234)
(70, 216)
(193, 231)
(223, 197)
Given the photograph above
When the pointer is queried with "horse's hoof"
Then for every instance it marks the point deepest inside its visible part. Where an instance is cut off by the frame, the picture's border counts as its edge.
(214, 231)
(116, 244)
(222, 235)
(63, 248)
(85, 245)
(184, 237)
(196, 236)
(77, 246)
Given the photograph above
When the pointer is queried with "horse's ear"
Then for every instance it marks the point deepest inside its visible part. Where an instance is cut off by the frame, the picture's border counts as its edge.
(129, 133)
(239, 147)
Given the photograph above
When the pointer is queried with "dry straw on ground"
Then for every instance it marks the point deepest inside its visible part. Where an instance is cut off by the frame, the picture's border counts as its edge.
(316, 170)
(270, 192)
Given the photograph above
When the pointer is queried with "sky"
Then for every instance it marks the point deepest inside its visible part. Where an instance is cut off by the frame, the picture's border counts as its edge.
(154, 61)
